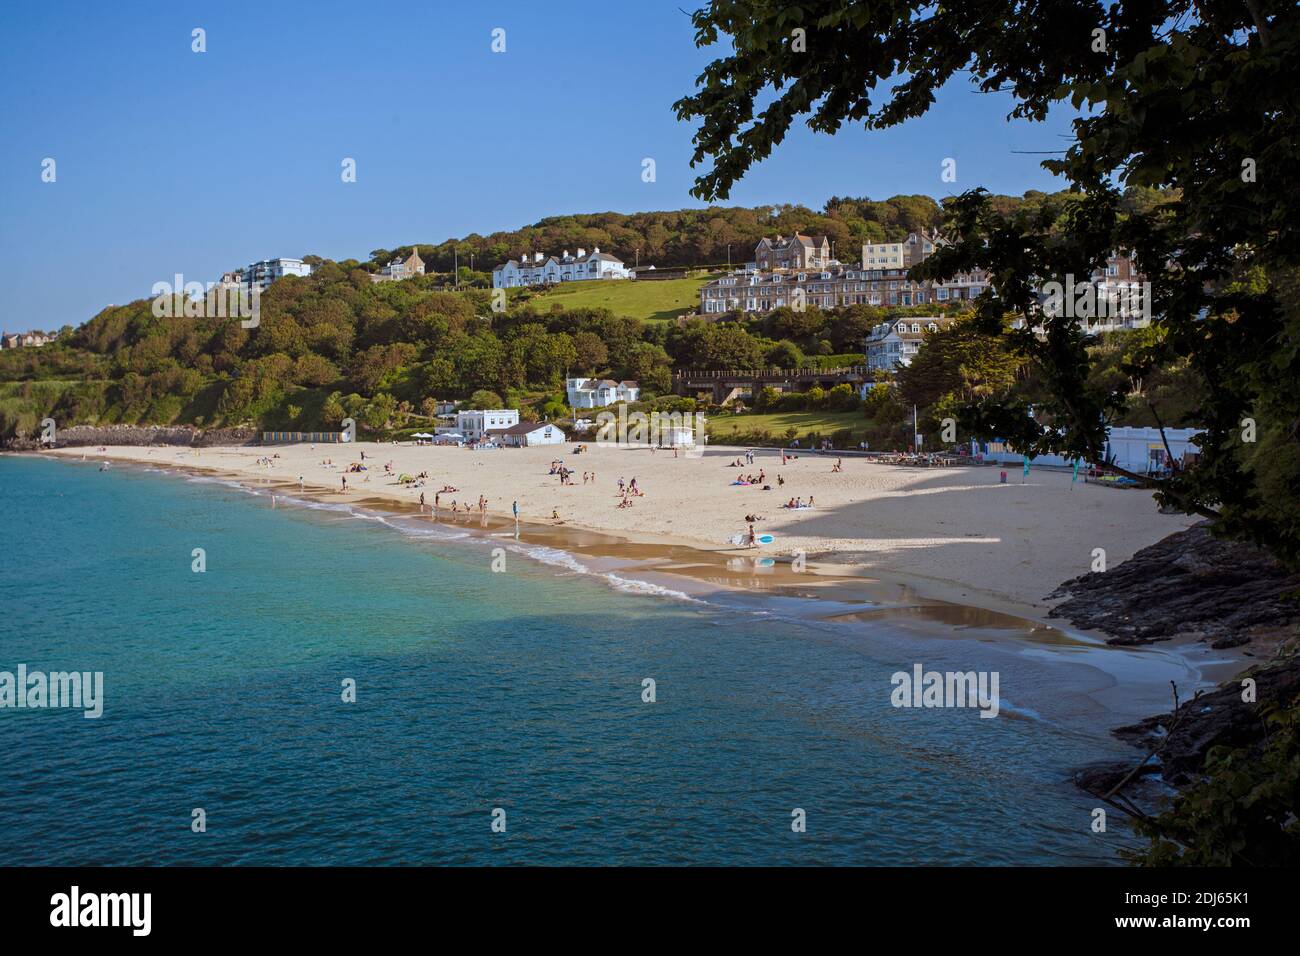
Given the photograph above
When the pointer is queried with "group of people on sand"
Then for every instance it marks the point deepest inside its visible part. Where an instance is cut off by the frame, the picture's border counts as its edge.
(759, 479)
(627, 491)
(459, 507)
(799, 503)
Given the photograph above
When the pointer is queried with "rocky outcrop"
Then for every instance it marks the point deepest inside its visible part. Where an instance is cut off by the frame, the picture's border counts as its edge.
(1183, 737)
(1220, 717)
(83, 435)
(1224, 592)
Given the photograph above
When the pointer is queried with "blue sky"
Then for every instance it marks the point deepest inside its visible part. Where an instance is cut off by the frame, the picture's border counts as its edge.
(171, 161)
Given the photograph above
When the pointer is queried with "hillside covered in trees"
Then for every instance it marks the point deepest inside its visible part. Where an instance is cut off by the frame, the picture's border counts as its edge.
(693, 237)
(335, 344)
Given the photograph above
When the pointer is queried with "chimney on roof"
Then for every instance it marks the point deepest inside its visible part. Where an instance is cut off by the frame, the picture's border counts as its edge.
(581, 252)
(595, 250)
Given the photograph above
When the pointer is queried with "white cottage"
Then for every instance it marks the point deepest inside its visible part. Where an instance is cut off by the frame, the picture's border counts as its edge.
(540, 269)
(599, 393)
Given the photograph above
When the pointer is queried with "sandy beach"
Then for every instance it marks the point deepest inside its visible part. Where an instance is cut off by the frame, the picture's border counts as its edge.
(956, 530)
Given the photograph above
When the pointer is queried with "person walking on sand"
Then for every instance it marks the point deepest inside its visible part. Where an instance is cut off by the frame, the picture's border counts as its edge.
(345, 482)
(751, 539)
(515, 508)
(422, 502)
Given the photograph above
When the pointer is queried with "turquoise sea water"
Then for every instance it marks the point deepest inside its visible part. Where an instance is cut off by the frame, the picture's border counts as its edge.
(475, 690)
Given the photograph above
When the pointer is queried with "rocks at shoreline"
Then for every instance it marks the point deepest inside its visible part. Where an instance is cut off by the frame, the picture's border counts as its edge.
(1228, 593)
(1218, 718)
(188, 435)
(1190, 583)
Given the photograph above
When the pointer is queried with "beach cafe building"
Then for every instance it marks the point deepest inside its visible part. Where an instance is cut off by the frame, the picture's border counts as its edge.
(475, 423)
(527, 434)
(1142, 450)
(1139, 450)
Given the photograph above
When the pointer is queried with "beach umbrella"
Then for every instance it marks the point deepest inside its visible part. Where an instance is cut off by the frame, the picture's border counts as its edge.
(421, 435)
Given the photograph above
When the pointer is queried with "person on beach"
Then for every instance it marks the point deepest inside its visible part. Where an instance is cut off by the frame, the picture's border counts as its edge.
(751, 539)
(620, 485)
(515, 508)
(345, 482)
(422, 502)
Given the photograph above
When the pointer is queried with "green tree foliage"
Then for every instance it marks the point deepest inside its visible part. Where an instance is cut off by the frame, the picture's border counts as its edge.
(1182, 153)
(958, 364)
(1242, 812)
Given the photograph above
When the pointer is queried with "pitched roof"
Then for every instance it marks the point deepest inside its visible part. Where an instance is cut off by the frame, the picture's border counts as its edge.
(523, 428)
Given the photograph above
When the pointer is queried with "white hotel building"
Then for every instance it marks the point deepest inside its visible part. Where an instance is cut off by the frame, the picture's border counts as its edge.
(262, 274)
(549, 270)
(474, 424)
